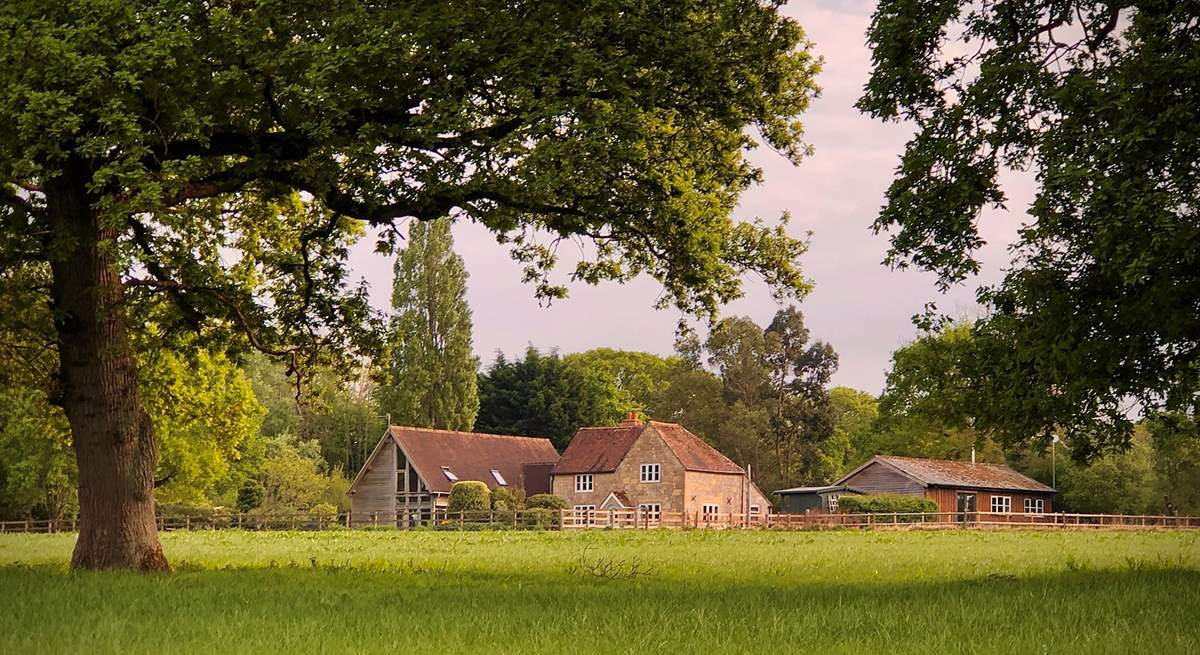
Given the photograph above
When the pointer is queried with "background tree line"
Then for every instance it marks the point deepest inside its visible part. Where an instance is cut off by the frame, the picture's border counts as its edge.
(235, 435)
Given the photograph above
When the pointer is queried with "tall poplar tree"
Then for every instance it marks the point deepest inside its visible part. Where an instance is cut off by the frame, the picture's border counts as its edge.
(429, 374)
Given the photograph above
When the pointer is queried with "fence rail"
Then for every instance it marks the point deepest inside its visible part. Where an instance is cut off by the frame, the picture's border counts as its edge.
(633, 519)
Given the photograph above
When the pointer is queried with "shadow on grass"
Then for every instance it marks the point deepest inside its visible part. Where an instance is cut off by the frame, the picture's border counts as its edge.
(1145, 606)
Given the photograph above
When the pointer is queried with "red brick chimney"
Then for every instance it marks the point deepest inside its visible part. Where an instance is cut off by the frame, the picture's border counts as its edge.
(631, 418)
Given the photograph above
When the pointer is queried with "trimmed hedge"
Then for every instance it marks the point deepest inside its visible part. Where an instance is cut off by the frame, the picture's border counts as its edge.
(469, 496)
(885, 504)
(542, 518)
(545, 501)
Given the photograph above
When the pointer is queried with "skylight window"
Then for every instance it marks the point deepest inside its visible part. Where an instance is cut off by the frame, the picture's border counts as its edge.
(449, 474)
(499, 478)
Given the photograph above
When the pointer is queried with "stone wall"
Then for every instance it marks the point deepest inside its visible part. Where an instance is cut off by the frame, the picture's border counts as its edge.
(648, 449)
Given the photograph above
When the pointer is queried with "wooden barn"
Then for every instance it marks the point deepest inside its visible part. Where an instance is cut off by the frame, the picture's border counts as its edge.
(959, 487)
(411, 470)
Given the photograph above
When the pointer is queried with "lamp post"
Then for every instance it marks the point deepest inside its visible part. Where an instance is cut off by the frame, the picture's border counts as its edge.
(1053, 464)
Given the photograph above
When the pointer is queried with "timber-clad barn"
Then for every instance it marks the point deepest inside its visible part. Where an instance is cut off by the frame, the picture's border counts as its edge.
(411, 470)
(962, 487)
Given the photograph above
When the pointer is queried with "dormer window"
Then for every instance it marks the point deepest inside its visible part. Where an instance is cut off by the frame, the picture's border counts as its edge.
(449, 474)
(499, 478)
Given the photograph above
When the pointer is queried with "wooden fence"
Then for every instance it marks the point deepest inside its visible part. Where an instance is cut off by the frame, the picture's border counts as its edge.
(633, 519)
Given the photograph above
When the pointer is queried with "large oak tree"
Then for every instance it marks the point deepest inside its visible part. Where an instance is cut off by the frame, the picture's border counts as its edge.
(1099, 313)
(222, 154)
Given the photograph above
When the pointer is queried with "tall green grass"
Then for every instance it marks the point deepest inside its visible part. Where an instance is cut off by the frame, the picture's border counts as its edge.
(615, 592)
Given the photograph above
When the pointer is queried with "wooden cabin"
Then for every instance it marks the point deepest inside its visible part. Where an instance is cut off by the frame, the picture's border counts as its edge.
(963, 488)
(409, 474)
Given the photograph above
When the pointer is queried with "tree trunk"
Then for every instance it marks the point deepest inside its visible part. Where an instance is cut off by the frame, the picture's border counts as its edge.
(112, 435)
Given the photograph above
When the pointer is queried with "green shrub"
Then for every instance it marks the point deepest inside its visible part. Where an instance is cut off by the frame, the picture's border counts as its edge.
(188, 510)
(249, 497)
(469, 496)
(541, 518)
(545, 501)
(326, 511)
(885, 504)
(505, 499)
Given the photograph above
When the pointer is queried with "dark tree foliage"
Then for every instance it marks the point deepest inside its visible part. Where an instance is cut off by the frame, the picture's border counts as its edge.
(542, 395)
(1100, 311)
(223, 155)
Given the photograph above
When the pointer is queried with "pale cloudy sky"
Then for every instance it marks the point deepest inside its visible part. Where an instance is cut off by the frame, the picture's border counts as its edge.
(858, 305)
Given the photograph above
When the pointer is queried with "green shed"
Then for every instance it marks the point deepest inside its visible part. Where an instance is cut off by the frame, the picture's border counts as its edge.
(802, 500)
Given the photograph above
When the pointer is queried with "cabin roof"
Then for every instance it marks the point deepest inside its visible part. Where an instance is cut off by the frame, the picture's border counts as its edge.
(950, 473)
(817, 490)
(470, 455)
(600, 450)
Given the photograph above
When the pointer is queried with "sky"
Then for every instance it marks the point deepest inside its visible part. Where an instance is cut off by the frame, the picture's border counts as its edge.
(858, 305)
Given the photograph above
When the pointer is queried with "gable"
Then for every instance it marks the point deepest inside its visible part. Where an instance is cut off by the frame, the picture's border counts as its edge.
(651, 448)
(598, 450)
(616, 500)
(876, 477)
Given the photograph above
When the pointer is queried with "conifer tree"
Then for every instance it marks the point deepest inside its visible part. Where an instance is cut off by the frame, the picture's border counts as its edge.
(429, 374)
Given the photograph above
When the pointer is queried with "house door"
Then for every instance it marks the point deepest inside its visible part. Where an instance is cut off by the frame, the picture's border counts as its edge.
(966, 508)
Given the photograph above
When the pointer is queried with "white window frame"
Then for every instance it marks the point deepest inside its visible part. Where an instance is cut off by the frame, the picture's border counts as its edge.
(585, 512)
(1035, 506)
(1001, 504)
(499, 478)
(650, 512)
(650, 473)
(755, 510)
(449, 474)
(710, 512)
(584, 483)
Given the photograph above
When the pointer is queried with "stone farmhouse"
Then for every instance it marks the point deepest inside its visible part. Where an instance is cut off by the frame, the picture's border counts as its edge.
(652, 468)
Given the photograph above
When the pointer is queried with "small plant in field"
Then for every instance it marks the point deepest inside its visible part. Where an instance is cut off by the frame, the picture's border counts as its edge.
(605, 568)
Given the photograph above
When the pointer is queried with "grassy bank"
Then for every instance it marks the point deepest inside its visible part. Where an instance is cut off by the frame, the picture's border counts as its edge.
(615, 592)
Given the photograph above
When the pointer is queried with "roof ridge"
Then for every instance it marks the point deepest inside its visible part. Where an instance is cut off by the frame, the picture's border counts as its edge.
(412, 428)
(949, 461)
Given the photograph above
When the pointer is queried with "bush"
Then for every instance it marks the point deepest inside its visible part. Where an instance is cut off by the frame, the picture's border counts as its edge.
(186, 510)
(469, 496)
(545, 501)
(506, 500)
(541, 518)
(249, 497)
(885, 504)
(326, 511)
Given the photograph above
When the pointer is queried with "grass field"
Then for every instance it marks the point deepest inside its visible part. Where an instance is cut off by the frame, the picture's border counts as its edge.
(707, 592)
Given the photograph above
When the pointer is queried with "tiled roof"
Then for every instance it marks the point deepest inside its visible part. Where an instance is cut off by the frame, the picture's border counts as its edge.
(470, 455)
(692, 451)
(621, 499)
(815, 490)
(600, 450)
(949, 473)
